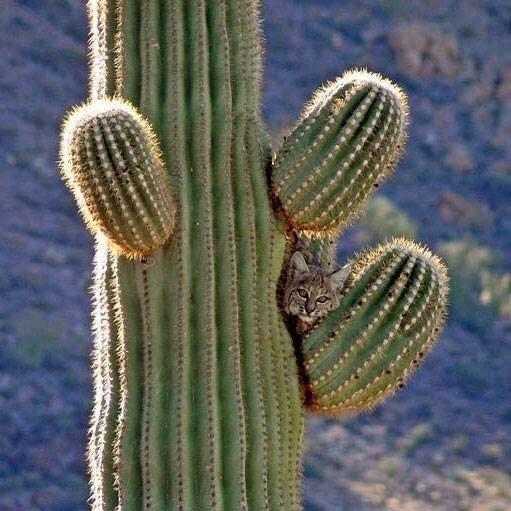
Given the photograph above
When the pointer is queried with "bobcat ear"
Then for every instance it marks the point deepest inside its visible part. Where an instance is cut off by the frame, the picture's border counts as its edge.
(338, 277)
(298, 262)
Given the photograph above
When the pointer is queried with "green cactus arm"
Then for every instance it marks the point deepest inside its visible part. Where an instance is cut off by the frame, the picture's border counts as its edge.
(348, 139)
(111, 162)
(208, 412)
(390, 315)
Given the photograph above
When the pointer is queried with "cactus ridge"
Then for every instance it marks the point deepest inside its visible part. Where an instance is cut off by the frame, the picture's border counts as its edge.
(106, 386)
(348, 140)
(200, 389)
(111, 162)
(386, 321)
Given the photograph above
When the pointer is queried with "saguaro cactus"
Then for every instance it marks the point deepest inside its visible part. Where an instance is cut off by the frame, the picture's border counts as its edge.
(200, 392)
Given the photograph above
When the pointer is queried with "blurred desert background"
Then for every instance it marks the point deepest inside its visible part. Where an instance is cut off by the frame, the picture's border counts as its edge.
(441, 444)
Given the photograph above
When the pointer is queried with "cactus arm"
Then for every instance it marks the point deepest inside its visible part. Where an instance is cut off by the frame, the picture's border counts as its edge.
(389, 317)
(348, 139)
(111, 162)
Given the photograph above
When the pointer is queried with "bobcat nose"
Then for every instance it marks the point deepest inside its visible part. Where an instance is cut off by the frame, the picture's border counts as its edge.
(309, 307)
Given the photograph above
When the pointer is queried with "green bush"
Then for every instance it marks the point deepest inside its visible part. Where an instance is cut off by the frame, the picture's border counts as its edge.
(36, 337)
(496, 292)
(382, 220)
(480, 295)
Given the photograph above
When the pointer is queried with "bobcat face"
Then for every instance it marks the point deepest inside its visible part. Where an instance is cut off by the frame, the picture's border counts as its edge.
(311, 293)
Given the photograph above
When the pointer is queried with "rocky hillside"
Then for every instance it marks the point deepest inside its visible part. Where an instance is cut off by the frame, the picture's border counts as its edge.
(441, 444)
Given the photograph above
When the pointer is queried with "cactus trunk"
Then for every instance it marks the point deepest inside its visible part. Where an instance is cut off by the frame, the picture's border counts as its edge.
(190, 410)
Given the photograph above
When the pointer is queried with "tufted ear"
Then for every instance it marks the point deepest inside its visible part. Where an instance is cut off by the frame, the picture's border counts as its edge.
(298, 262)
(338, 277)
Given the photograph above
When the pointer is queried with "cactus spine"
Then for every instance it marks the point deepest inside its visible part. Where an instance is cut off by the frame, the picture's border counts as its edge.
(198, 401)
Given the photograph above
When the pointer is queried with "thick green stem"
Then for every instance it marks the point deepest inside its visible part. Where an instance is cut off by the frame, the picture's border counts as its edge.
(209, 381)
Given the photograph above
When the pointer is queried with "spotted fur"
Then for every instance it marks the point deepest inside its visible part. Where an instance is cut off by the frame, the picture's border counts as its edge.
(310, 291)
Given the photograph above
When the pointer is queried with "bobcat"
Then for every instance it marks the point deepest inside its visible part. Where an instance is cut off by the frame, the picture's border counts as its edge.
(310, 292)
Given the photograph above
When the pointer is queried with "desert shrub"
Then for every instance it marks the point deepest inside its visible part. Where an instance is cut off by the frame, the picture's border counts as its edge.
(36, 337)
(383, 219)
(479, 293)
(496, 292)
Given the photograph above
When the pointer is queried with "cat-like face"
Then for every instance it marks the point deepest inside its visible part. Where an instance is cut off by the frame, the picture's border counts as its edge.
(311, 293)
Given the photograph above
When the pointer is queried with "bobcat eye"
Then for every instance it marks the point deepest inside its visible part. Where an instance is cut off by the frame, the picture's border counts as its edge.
(302, 293)
(323, 299)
